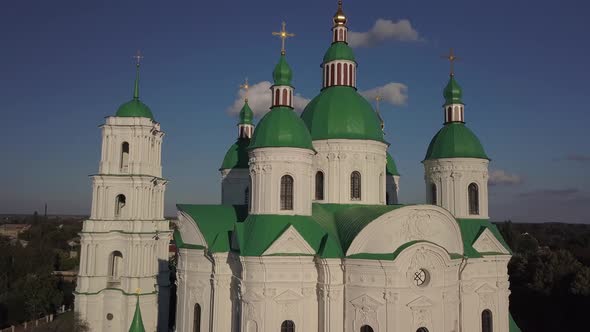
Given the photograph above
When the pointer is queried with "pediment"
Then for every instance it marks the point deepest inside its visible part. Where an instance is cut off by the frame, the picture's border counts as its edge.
(189, 230)
(288, 296)
(485, 288)
(487, 242)
(290, 242)
(420, 302)
(365, 301)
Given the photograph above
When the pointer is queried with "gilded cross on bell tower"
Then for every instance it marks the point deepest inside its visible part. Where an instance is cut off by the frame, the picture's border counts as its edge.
(452, 58)
(245, 86)
(283, 34)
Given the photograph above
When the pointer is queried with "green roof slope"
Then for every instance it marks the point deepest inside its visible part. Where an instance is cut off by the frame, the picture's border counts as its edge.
(455, 140)
(453, 92)
(281, 127)
(237, 155)
(339, 51)
(391, 167)
(341, 112)
(512, 327)
(137, 322)
(471, 229)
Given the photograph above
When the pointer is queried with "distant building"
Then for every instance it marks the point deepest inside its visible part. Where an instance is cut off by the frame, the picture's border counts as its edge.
(13, 230)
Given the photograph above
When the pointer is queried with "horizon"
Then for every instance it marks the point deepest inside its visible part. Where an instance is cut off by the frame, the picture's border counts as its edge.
(65, 68)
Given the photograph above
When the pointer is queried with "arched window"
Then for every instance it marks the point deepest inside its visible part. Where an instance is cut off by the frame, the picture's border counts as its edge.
(247, 196)
(355, 186)
(366, 328)
(197, 318)
(345, 75)
(422, 329)
(339, 74)
(288, 326)
(277, 95)
(286, 192)
(486, 321)
(115, 264)
(473, 193)
(120, 202)
(285, 97)
(327, 68)
(319, 186)
(125, 157)
(350, 75)
(433, 194)
(449, 114)
(332, 71)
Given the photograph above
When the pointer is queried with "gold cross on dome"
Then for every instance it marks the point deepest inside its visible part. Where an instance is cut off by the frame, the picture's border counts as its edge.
(452, 58)
(283, 34)
(138, 291)
(378, 98)
(245, 86)
(138, 57)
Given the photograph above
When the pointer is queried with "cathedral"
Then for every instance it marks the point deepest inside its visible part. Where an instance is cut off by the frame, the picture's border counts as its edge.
(309, 235)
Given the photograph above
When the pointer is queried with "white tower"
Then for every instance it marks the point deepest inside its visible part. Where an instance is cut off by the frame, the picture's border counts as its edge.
(456, 165)
(125, 240)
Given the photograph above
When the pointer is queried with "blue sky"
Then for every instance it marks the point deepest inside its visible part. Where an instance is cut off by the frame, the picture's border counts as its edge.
(65, 65)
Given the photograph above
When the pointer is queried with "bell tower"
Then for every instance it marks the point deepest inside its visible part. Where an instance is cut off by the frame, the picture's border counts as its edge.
(125, 241)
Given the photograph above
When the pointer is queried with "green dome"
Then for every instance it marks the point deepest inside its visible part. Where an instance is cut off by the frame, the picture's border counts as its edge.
(391, 168)
(281, 127)
(455, 140)
(282, 74)
(452, 92)
(137, 322)
(341, 112)
(246, 114)
(339, 51)
(135, 108)
(237, 155)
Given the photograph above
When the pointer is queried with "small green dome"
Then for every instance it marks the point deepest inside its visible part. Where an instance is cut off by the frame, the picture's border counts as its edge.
(455, 140)
(237, 155)
(134, 108)
(341, 112)
(282, 74)
(137, 322)
(391, 167)
(339, 51)
(246, 114)
(452, 92)
(281, 127)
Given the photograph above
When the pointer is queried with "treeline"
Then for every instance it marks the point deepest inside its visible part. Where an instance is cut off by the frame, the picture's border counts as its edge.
(549, 275)
(28, 287)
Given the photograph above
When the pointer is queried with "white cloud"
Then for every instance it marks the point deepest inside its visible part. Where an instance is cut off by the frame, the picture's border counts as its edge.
(383, 29)
(393, 93)
(259, 98)
(500, 177)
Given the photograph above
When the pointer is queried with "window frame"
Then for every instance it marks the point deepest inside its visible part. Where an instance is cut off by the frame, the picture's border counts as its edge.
(355, 186)
(286, 193)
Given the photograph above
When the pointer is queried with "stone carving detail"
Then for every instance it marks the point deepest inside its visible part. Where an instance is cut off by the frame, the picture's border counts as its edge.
(486, 295)
(417, 226)
(365, 311)
(421, 312)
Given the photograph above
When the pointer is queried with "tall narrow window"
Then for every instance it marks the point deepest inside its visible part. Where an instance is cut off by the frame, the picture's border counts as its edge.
(339, 66)
(319, 186)
(433, 194)
(197, 318)
(332, 74)
(366, 328)
(350, 75)
(288, 326)
(286, 192)
(247, 196)
(125, 157)
(285, 100)
(486, 321)
(345, 75)
(355, 186)
(115, 265)
(449, 114)
(277, 95)
(120, 202)
(473, 193)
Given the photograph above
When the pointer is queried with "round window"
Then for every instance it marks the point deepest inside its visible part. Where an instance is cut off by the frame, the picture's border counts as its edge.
(421, 278)
(110, 316)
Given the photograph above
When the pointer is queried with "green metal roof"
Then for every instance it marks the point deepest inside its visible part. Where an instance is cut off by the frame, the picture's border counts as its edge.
(246, 114)
(512, 327)
(341, 112)
(281, 127)
(237, 155)
(455, 140)
(453, 92)
(282, 74)
(137, 322)
(471, 229)
(134, 107)
(391, 167)
(339, 51)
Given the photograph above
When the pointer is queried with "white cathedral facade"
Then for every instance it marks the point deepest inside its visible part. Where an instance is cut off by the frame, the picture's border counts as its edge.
(309, 235)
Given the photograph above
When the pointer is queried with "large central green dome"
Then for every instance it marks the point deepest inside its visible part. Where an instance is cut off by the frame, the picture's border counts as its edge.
(341, 112)
(455, 140)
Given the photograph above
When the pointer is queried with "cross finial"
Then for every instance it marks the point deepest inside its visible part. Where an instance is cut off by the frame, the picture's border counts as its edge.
(283, 34)
(138, 291)
(138, 57)
(245, 86)
(378, 98)
(452, 58)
